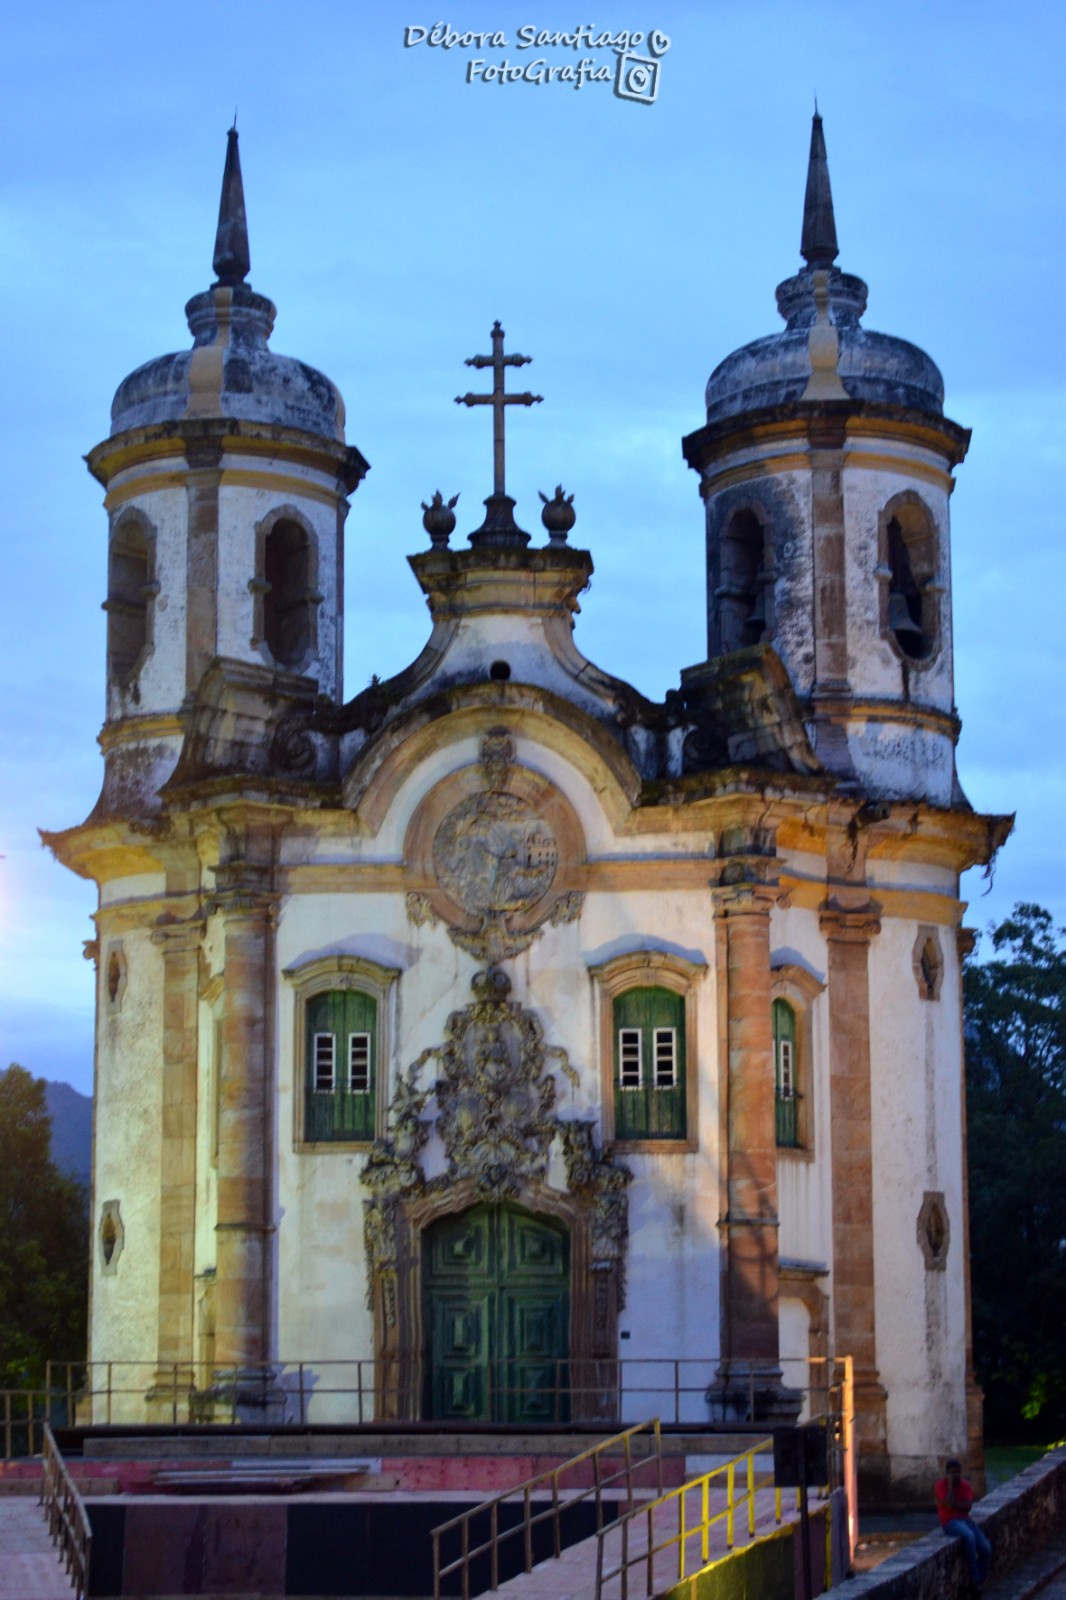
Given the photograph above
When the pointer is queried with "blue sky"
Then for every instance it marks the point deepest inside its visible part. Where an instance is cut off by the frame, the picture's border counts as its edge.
(395, 209)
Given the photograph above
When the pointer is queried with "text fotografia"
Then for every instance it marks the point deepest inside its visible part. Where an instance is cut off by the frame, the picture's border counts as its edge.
(633, 76)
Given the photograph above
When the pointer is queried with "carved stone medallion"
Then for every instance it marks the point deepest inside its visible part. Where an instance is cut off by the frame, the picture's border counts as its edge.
(495, 855)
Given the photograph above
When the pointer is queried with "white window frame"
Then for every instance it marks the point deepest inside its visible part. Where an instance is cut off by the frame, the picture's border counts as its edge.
(355, 1039)
(317, 1041)
(669, 1037)
(317, 976)
(630, 1039)
(786, 1069)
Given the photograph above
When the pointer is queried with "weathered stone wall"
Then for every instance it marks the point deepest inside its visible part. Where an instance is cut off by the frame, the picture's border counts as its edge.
(1017, 1519)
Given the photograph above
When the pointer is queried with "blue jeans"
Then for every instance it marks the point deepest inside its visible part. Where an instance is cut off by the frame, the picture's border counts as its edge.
(978, 1550)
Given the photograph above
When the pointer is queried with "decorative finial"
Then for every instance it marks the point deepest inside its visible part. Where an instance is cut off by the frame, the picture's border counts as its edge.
(232, 261)
(558, 515)
(499, 527)
(818, 245)
(439, 519)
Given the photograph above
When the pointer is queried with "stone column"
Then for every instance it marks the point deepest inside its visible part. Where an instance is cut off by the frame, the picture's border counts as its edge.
(175, 1375)
(242, 1301)
(848, 928)
(749, 1226)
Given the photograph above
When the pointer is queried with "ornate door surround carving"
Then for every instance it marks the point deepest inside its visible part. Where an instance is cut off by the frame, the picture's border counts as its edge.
(495, 1101)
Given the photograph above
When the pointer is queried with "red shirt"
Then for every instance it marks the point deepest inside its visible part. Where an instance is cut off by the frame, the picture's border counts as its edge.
(963, 1500)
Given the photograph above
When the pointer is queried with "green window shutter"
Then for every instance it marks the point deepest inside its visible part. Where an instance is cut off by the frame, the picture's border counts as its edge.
(340, 1067)
(649, 1064)
(786, 1098)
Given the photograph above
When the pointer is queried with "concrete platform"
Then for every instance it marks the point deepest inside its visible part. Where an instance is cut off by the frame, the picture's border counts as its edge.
(29, 1566)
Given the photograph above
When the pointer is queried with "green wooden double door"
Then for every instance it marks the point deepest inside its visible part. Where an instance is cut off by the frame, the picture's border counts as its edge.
(496, 1282)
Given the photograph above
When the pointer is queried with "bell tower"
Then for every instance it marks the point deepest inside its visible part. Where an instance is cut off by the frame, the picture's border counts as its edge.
(227, 479)
(826, 471)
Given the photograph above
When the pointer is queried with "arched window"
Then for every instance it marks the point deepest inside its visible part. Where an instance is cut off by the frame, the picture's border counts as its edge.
(129, 590)
(649, 1064)
(786, 1092)
(742, 592)
(794, 998)
(909, 572)
(340, 1051)
(287, 593)
(340, 1066)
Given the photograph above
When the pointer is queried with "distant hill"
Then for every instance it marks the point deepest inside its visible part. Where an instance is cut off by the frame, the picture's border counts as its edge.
(72, 1130)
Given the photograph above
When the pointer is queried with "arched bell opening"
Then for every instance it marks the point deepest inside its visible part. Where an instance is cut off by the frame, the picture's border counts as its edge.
(742, 596)
(909, 570)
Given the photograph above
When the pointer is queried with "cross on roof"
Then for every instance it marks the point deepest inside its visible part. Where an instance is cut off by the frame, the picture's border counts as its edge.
(498, 399)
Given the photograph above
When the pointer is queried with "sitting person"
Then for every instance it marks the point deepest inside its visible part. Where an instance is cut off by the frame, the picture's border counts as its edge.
(954, 1500)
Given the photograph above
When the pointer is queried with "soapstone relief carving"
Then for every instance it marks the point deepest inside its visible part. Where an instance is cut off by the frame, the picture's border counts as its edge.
(495, 856)
(495, 1113)
(420, 911)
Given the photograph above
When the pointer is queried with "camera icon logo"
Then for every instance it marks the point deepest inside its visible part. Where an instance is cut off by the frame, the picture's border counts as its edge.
(637, 78)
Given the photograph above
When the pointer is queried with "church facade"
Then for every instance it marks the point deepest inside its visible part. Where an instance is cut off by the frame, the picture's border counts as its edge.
(501, 1030)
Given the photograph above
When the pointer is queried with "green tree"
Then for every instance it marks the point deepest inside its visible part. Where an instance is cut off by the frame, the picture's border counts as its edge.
(44, 1255)
(1015, 1024)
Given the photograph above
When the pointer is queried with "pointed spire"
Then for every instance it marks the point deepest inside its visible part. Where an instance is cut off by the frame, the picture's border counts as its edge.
(818, 246)
(232, 262)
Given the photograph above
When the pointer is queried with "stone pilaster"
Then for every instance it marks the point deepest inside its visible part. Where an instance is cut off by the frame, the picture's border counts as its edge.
(848, 927)
(749, 1225)
(180, 942)
(204, 457)
(244, 1120)
(965, 940)
(831, 690)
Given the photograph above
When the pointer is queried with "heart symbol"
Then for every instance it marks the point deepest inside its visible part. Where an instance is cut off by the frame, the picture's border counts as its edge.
(658, 43)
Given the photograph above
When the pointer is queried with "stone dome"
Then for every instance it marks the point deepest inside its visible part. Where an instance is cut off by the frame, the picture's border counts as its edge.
(823, 352)
(777, 369)
(229, 372)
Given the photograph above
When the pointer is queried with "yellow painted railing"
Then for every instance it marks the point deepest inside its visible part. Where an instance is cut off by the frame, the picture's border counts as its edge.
(739, 1481)
(725, 1495)
(554, 1496)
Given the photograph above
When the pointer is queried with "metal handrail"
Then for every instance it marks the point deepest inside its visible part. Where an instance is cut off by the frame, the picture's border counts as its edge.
(366, 1389)
(839, 1390)
(548, 1480)
(68, 1520)
(735, 1502)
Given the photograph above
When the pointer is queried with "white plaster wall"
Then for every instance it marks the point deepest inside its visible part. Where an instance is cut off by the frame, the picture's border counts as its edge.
(916, 1095)
(794, 1334)
(672, 1309)
(902, 761)
(128, 1113)
(482, 639)
(140, 886)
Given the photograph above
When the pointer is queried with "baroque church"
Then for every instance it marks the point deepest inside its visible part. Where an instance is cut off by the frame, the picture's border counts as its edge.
(499, 1044)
